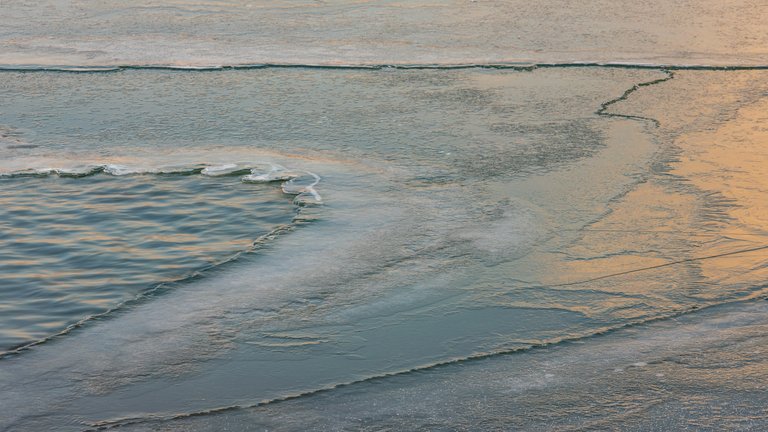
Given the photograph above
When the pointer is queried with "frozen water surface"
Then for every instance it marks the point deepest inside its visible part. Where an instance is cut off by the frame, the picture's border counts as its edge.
(540, 247)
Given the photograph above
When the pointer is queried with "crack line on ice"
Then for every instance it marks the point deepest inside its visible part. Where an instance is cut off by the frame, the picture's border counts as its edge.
(521, 66)
(603, 110)
(687, 233)
(658, 266)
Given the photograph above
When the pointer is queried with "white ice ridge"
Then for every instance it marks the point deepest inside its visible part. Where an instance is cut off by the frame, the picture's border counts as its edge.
(299, 183)
(294, 182)
(218, 170)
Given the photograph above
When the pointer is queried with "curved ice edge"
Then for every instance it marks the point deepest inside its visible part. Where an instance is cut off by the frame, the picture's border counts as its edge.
(299, 183)
(294, 182)
(263, 172)
(541, 345)
(515, 65)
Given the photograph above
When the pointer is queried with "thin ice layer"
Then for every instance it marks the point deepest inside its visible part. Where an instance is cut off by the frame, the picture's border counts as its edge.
(462, 219)
(704, 371)
(190, 33)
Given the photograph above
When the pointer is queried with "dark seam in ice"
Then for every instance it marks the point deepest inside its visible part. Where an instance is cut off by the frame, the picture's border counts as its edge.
(687, 260)
(688, 233)
(602, 111)
(522, 66)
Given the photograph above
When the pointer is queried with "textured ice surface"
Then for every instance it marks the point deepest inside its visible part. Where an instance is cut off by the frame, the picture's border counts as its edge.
(468, 213)
(703, 371)
(190, 33)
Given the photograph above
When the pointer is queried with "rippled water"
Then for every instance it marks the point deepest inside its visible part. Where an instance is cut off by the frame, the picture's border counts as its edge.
(422, 247)
(74, 247)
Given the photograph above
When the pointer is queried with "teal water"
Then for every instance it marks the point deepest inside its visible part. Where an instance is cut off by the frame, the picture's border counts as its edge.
(75, 247)
(524, 241)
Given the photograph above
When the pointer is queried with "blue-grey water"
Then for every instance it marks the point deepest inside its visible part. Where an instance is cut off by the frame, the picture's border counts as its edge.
(382, 216)
(74, 247)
